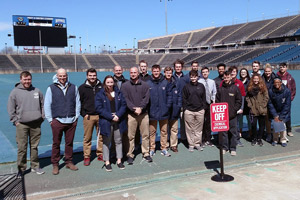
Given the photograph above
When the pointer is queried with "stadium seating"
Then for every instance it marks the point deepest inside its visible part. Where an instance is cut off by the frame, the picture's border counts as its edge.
(151, 59)
(32, 62)
(160, 42)
(100, 61)
(6, 64)
(180, 40)
(169, 59)
(126, 61)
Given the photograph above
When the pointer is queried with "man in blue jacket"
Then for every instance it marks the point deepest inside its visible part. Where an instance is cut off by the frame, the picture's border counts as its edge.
(160, 104)
(62, 109)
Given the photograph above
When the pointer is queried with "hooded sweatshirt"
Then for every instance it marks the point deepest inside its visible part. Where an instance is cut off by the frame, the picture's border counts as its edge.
(48, 102)
(25, 105)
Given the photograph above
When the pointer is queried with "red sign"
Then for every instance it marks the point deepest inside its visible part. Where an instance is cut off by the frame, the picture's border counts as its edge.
(219, 117)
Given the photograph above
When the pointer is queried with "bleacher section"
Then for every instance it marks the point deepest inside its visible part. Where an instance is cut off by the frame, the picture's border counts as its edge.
(272, 53)
(246, 31)
(160, 42)
(169, 59)
(287, 55)
(126, 61)
(6, 64)
(229, 55)
(151, 59)
(287, 29)
(100, 61)
(192, 56)
(80, 62)
(224, 31)
(32, 62)
(143, 44)
(180, 40)
(64, 61)
(249, 55)
(199, 38)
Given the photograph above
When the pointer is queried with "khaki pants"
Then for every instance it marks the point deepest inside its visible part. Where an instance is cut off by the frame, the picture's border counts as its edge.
(194, 126)
(282, 135)
(142, 121)
(23, 133)
(173, 126)
(88, 125)
(163, 124)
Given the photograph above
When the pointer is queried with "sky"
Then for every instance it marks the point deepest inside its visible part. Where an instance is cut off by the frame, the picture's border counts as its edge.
(116, 23)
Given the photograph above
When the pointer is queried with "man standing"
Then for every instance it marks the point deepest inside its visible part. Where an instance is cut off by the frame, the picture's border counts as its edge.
(144, 76)
(62, 109)
(136, 93)
(221, 69)
(88, 91)
(290, 83)
(25, 109)
(175, 110)
(119, 79)
(194, 104)
(211, 91)
(231, 94)
(195, 66)
(160, 104)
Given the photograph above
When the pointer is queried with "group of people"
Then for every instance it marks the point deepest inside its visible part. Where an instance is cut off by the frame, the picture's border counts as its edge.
(123, 111)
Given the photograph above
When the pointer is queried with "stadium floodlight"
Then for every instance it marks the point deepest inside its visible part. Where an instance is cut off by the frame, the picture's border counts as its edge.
(166, 15)
(75, 61)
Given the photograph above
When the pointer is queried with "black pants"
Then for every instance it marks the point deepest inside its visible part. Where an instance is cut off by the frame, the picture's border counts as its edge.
(261, 124)
(288, 126)
(230, 137)
(206, 136)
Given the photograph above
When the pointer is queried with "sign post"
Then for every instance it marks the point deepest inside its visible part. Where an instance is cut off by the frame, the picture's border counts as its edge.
(219, 118)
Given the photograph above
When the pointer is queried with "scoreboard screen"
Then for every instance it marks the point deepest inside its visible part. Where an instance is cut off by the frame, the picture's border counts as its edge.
(28, 30)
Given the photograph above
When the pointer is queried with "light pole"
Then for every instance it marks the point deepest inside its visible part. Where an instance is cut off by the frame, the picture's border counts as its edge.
(90, 49)
(126, 46)
(74, 37)
(5, 48)
(166, 15)
(80, 50)
(109, 49)
(41, 56)
(95, 49)
(104, 48)
(263, 16)
(134, 43)
(115, 49)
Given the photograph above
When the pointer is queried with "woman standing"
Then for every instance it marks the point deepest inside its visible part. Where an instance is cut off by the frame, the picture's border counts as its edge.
(111, 107)
(245, 78)
(257, 98)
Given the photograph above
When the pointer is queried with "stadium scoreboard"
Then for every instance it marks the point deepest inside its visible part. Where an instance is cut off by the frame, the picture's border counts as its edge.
(29, 30)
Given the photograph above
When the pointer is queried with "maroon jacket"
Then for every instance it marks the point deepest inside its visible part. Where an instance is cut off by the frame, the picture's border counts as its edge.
(289, 81)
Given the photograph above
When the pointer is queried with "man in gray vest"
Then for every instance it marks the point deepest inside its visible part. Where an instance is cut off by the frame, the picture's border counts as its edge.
(62, 109)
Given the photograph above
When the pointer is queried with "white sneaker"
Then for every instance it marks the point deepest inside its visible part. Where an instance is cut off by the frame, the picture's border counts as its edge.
(38, 171)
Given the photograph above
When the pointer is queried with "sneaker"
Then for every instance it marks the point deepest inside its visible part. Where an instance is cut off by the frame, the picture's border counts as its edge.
(199, 148)
(290, 134)
(86, 161)
(174, 149)
(239, 143)
(283, 144)
(165, 153)
(20, 174)
(120, 165)
(37, 170)
(100, 157)
(108, 167)
(260, 143)
(71, 166)
(152, 153)
(191, 149)
(147, 158)
(274, 143)
(210, 144)
(233, 153)
(224, 151)
(130, 161)
(253, 142)
(55, 170)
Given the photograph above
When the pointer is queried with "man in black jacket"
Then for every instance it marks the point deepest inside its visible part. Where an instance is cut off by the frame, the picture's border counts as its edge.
(194, 104)
(88, 91)
(231, 94)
